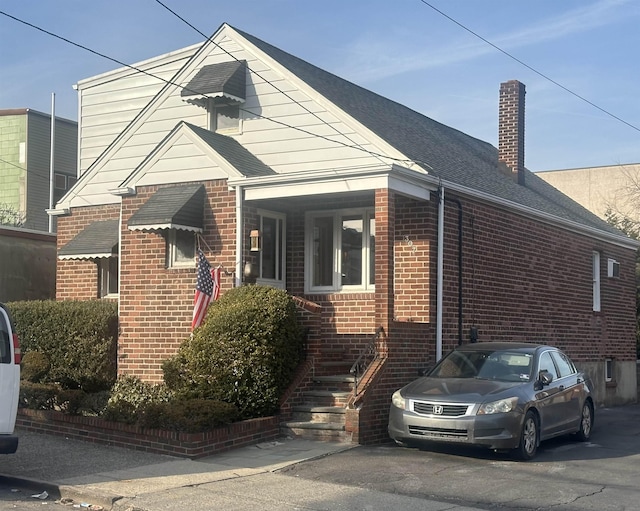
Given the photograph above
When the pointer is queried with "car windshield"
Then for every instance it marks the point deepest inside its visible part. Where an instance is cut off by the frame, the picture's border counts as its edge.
(504, 365)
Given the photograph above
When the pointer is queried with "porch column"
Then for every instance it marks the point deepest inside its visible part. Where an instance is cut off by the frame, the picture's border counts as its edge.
(384, 268)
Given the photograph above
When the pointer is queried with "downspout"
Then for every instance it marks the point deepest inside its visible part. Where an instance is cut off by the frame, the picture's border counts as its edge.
(439, 292)
(239, 231)
(459, 204)
(439, 273)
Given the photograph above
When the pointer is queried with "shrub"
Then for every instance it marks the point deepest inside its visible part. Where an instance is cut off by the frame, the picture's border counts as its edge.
(34, 366)
(70, 401)
(78, 338)
(191, 416)
(38, 396)
(245, 353)
(128, 395)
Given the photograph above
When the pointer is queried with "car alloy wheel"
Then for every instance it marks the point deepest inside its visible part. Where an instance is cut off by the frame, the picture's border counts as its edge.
(528, 437)
(586, 423)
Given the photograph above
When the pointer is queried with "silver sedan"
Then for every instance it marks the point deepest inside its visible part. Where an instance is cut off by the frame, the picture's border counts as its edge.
(502, 396)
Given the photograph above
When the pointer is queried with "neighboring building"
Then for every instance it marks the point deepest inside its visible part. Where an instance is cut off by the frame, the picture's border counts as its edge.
(385, 220)
(612, 187)
(28, 264)
(25, 171)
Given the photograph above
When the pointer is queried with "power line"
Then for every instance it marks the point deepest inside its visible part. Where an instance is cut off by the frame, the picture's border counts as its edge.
(26, 170)
(530, 68)
(209, 39)
(169, 82)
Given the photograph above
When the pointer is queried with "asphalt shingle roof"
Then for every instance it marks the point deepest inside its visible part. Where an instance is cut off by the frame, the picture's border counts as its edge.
(227, 78)
(232, 151)
(171, 207)
(448, 153)
(97, 240)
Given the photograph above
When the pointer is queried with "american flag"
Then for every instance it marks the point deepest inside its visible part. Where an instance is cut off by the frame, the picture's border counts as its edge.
(207, 289)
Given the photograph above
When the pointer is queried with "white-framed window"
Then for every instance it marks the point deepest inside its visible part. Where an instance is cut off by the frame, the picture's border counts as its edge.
(613, 268)
(596, 280)
(226, 118)
(181, 248)
(271, 258)
(340, 250)
(107, 277)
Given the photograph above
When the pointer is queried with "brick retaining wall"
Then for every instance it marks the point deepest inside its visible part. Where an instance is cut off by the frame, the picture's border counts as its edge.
(186, 445)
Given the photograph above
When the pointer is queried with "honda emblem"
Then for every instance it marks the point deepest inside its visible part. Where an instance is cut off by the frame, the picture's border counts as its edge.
(438, 409)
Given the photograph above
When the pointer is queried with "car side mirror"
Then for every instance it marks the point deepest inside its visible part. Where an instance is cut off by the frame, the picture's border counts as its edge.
(545, 377)
(423, 371)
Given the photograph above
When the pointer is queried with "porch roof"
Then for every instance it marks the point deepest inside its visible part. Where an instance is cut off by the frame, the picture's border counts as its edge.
(225, 79)
(97, 240)
(171, 207)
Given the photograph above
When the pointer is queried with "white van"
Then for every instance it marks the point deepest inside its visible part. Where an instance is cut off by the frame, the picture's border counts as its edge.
(9, 382)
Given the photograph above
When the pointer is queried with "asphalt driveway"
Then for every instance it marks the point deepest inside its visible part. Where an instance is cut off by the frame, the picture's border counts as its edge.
(603, 474)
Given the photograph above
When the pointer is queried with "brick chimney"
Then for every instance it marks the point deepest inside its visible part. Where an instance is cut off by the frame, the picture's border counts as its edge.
(511, 129)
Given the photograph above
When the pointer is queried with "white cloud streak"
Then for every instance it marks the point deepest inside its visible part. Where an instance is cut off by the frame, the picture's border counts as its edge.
(372, 59)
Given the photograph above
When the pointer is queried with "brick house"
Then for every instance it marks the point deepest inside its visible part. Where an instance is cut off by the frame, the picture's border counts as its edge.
(402, 236)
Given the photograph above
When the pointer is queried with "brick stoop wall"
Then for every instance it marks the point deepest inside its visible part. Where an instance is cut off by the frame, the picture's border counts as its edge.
(185, 445)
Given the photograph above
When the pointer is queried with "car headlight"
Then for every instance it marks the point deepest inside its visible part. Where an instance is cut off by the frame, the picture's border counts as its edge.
(501, 406)
(397, 400)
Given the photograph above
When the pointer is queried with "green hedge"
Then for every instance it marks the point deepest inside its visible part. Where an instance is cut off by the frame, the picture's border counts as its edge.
(78, 338)
(245, 353)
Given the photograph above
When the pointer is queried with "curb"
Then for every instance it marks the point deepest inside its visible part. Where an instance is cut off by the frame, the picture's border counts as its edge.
(92, 500)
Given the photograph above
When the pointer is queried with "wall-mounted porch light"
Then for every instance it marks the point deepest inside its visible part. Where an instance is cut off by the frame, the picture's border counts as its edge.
(254, 238)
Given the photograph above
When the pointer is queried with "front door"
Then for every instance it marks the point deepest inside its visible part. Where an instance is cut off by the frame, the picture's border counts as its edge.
(271, 248)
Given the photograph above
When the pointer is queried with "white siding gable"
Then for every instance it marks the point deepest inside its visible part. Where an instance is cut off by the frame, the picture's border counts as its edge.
(286, 124)
(110, 101)
(182, 157)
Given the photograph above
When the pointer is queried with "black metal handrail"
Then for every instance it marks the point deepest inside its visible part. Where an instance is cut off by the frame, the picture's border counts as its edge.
(366, 357)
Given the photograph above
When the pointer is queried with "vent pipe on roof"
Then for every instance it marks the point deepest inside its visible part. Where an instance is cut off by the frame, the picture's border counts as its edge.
(511, 129)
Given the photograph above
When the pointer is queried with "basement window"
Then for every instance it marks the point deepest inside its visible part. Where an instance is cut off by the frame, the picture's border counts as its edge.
(608, 370)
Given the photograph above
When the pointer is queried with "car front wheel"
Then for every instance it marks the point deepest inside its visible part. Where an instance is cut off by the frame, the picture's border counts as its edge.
(528, 437)
(586, 423)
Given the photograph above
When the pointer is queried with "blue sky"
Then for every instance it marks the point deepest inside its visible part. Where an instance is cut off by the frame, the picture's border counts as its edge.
(402, 49)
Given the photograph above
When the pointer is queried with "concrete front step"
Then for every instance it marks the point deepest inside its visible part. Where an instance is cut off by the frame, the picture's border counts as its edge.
(335, 378)
(327, 397)
(328, 431)
(319, 414)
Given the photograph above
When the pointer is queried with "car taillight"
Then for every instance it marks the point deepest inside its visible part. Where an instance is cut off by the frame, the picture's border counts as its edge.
(17, 354)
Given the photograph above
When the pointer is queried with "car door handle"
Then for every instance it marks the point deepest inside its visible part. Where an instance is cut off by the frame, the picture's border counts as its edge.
(561, 387)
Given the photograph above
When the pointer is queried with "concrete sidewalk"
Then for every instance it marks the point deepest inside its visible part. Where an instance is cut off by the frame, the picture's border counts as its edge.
(97, 477)
(110, 476)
